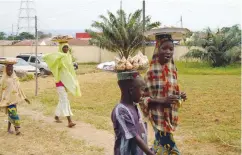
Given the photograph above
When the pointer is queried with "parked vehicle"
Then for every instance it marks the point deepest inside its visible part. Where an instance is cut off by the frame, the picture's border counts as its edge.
(24, 66)
(41, 65)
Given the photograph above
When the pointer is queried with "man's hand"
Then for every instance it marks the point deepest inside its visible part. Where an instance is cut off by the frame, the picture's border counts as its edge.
(184, 96)
(26, 100)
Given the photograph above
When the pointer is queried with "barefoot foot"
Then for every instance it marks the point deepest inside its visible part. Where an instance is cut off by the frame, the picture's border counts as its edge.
(18, 133)
(10, 132)
(57, 120)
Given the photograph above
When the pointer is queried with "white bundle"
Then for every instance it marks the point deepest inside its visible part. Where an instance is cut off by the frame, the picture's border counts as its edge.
(139, 61)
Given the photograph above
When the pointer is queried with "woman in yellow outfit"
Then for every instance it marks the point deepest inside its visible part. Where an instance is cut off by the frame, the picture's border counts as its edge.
(61, 66)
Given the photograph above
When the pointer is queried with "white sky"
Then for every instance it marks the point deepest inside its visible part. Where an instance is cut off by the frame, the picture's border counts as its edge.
(79, 14)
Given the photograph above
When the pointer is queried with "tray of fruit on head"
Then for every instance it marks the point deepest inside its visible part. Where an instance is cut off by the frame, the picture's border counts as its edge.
(8, 61)
(61, 38)
(138, 62)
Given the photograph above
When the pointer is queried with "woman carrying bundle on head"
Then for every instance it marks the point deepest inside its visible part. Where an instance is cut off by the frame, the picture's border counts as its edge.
(163, 97)
(11, 95)
(60, 64)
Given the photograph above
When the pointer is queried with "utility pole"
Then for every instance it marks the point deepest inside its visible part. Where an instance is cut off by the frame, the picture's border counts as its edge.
(121, 7)
(143, 49)
(181, 22)
(12, 33)
(36, 52)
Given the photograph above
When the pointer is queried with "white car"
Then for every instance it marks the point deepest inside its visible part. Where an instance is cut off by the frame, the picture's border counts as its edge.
(22, 65)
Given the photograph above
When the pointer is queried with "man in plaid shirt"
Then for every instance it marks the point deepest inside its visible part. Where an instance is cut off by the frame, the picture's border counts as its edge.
(163, 97)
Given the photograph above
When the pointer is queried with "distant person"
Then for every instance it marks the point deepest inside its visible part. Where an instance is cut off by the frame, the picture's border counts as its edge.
(61, 66)
(11, 95)
(130, 132)
(163, 97)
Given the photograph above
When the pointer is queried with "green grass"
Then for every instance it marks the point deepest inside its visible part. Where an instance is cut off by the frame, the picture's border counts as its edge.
(188, 68)
(28, 77)
(87, 68)
(42, 138)
(211, 116)
(201, 68)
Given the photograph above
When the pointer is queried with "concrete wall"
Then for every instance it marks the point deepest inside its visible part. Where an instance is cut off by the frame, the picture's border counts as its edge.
(83, 54)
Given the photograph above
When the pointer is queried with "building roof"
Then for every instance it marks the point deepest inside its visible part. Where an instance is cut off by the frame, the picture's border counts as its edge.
(41, 42)
(78, 42)
(25, 43)
(6, 42)
(83, 36)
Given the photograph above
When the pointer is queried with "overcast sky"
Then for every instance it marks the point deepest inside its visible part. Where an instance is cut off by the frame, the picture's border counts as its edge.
(79, 14)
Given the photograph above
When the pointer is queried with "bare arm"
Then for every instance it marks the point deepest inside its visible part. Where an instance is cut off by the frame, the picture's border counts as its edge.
(143, 146)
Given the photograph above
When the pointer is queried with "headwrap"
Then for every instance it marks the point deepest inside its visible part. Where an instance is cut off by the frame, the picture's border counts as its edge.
(61, 66)
(160, 39)
(162, 82)
(10, 92)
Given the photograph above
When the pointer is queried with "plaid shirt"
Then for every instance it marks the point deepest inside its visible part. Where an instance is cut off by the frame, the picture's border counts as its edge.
(161, 82)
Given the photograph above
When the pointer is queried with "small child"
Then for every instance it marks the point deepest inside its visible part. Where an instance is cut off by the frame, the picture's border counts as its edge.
(11, 95)
(130, 132)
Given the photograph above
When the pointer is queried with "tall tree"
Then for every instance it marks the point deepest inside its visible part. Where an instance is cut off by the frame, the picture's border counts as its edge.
(25, 35)
(120, 33)
(43, 35)
(2, 35)
(220, 48)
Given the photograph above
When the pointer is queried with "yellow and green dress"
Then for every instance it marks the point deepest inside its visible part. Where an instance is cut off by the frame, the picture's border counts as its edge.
(61, 66)
(11, 95)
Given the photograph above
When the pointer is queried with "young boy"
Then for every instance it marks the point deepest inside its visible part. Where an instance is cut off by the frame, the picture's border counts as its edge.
(130, 133)
(11, 95)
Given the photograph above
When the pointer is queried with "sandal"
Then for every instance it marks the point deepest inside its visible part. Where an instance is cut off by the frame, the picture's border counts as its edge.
(70, 125)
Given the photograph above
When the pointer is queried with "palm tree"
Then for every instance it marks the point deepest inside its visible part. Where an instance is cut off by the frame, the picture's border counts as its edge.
(219, 48)
(121, 33)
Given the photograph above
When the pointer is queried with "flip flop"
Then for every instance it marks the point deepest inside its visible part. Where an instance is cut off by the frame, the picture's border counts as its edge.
(70, 125)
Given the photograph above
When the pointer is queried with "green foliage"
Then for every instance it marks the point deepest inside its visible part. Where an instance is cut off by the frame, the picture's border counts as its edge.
(2, 36)
(121, 33)
(24, 35)
(28, 77)
(203, 68)
(219, 48)
(42, 35)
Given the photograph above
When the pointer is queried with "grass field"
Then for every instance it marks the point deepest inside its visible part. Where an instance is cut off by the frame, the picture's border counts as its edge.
(209, 120)
(41, 138)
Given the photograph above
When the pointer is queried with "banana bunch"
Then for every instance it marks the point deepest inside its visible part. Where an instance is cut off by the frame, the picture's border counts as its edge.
(137, 62)
(61, 38)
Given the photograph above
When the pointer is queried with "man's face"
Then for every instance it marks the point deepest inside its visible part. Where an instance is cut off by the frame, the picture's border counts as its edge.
(9, 70)
(166, 51)
(65, 49)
